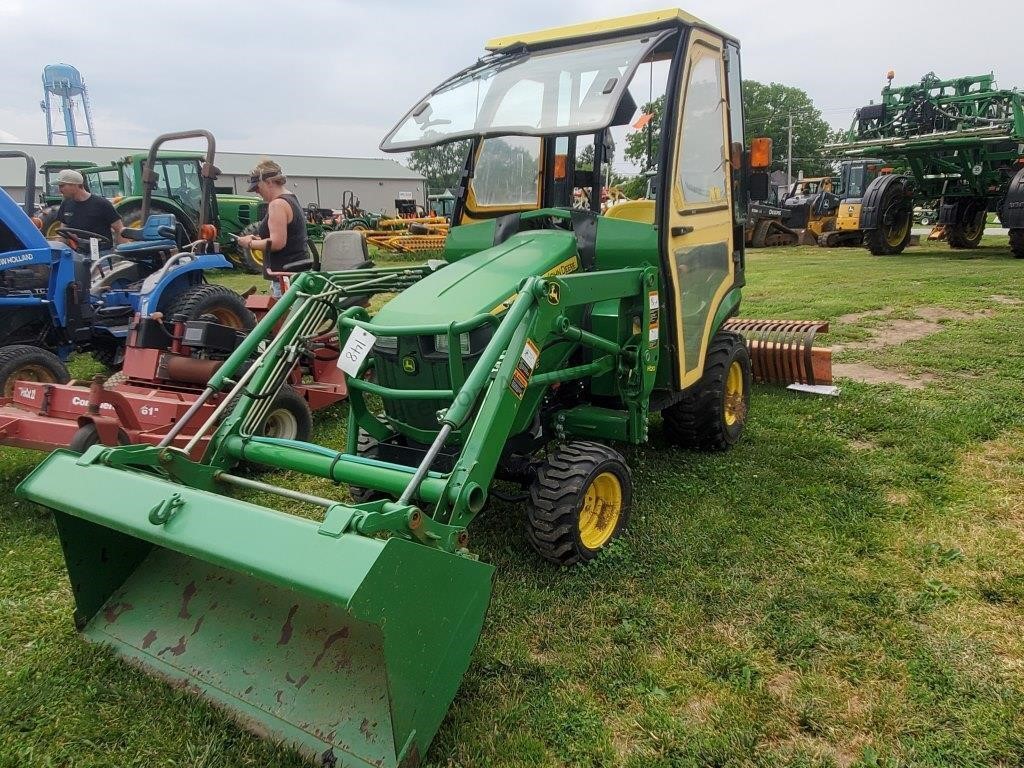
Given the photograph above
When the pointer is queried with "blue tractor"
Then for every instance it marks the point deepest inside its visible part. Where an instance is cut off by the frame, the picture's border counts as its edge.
(55, 300)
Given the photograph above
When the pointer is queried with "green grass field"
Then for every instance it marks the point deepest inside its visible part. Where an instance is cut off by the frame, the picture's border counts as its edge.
(845, 588)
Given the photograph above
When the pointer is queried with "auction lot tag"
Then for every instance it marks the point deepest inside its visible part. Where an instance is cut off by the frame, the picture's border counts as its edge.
(94, 248)
(358, 346)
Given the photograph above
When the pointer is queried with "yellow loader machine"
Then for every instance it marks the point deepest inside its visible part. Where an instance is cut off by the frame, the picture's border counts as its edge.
(342, 621)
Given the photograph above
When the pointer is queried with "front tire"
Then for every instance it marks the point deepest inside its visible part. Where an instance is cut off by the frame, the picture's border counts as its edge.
(24, 362)
(88, 436)
(289, 417)
(712, 414)
(579, 501)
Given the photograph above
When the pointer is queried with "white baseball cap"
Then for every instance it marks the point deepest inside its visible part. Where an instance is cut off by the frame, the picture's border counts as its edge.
(68, 176)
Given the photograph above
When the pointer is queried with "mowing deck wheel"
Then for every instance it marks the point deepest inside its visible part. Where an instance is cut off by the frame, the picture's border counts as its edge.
(579, 501)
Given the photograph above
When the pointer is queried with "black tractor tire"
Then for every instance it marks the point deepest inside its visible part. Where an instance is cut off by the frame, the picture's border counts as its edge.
(289, 417)
(217, 301)
(1017, 243)
(882, 194)
(360, 495)
(580, 500)
(88, 436)
(24, 362)
(967, 235)
(711, 414)
(251, 260)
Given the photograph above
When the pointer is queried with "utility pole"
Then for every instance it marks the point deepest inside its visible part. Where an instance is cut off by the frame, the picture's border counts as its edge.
(789, 153)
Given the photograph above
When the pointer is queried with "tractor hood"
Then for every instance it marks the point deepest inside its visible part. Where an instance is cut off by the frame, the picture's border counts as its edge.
(483, 282)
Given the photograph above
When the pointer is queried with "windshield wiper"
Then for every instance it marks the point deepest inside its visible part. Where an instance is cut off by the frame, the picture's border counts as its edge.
(498, 60)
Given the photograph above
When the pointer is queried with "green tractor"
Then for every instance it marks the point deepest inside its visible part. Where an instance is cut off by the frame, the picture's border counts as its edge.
(546, 336)
(178, 190)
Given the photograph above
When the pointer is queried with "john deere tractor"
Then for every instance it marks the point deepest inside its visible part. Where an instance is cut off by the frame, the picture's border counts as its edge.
(547, 336)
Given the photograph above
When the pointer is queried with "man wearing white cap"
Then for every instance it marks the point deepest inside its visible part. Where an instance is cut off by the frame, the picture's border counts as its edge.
(81, 210)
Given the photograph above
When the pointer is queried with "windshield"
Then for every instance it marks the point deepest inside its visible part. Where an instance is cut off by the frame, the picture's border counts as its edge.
(561, 91)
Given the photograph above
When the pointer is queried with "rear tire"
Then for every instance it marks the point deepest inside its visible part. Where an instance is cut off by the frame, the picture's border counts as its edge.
(88, 436)
(712, 414)
(1017, 243)
(217, 301)
(24, 362)
(50, 223)
(251, 260)
(579, 501)
(966, 235)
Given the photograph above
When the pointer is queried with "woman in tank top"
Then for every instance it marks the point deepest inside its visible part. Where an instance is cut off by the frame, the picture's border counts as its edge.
(281, 234)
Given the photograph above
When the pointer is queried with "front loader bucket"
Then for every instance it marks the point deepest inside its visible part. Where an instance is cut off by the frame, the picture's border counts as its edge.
(348, 647)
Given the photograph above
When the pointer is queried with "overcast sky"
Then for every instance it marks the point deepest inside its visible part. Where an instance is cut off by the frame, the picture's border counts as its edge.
(332, 77)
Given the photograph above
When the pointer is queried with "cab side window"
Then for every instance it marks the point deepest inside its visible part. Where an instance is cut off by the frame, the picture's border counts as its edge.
(702, 164)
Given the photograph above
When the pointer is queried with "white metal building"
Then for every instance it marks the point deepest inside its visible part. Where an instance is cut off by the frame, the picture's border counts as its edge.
(376, 182)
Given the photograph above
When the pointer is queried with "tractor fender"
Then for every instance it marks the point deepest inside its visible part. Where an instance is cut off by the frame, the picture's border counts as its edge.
(178, 278)
(1011, 214)
(872, 212)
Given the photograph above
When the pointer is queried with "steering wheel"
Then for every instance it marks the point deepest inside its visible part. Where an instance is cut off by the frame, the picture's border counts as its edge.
(83, 236)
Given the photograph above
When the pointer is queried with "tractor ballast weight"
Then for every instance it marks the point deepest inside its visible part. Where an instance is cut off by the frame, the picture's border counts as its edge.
(546, 332)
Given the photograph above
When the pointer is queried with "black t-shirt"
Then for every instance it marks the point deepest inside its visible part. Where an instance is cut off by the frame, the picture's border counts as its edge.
(94, 214)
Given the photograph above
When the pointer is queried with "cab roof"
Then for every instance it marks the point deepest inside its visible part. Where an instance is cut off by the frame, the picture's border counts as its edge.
(593, 29)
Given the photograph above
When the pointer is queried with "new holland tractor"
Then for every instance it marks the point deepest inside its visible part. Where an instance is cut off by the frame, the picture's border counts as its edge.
(962, 143)
(546, 336)
(55, 300)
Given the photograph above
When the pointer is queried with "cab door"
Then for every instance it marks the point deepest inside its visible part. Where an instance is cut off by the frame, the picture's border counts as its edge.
(699, 238)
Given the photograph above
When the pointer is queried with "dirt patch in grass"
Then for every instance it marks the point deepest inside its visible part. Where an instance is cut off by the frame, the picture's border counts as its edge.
(899, 331)
(855, 317)
(869, 374)
(862, 445)
(1008, 300)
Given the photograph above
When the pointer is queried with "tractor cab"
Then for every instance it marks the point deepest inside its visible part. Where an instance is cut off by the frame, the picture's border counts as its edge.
(534, 103)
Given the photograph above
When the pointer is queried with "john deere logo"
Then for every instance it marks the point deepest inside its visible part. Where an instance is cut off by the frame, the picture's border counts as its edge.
(409, 364)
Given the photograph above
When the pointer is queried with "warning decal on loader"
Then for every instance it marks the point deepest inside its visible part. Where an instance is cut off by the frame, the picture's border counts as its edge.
(654, 312)
(524, 369)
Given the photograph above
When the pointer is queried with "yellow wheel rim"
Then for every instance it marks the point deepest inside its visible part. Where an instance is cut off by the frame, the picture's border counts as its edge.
(896, 233)
(29, 372)
(257, 256)
(602, 507)
(226, 317)
(734, 394)
(51, 231)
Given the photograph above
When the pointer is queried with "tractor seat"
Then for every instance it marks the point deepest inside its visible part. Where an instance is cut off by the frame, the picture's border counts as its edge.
(157, 235)
(641, 211)
(342, 250)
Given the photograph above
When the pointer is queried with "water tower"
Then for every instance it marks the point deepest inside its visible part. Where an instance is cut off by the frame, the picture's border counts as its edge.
(65, 84)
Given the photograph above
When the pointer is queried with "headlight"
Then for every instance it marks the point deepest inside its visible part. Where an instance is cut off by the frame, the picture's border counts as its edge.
(387, 343)
(441, 343)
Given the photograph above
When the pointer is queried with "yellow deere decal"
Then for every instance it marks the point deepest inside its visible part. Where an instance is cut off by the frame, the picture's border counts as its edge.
(568, 266)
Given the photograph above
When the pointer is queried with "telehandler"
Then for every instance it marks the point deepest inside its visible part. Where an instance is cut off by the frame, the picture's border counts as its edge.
(544, 335)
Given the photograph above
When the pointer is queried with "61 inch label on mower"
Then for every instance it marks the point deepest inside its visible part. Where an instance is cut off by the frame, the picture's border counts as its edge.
(524, 369)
